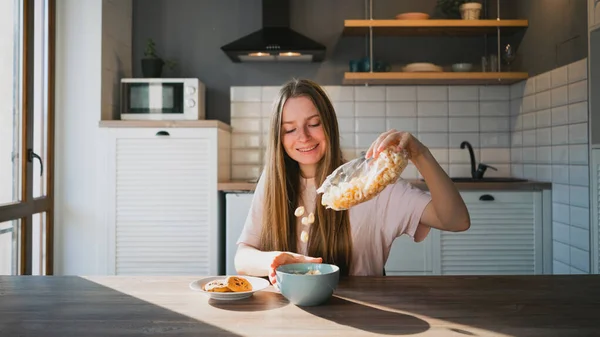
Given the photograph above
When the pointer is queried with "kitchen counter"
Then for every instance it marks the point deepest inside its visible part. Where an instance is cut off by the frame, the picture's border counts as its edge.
(529, 185)
(164, 124)
(548, 305)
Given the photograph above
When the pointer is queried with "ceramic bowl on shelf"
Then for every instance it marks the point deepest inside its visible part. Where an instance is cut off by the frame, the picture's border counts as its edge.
(462, 67)
(412, 16)
(422, 67)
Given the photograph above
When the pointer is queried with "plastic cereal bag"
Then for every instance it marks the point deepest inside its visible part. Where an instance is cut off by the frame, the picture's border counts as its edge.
(362, 179)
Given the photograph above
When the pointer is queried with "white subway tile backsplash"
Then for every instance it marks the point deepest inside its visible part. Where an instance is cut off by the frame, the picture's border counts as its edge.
(402, 124)
(269, 94)
(464, 124)
(578, 70)
(542, 82)
(580, 196)
(461, 156)
(516, 170)
(246, 156)
(463, 93)
(370, 94)
(433, 140)
(530, 86)
(516, 106)
(560, 154)
(530, 172)
(344, 109)
(544, 173)
(464, 109)
(440, 155)
(560, 232)
(560, 115)
(580, 217)
(246, 125)
(560, 194)
(245, 172)
(339, 93)
(369, 109)
(494, 93)
(457, 138)
(493, 124)
(364, 124)
(434, 124)
(578, 154)
(346, 125)
(579, 238)
(432, 93)
(529, 155)
(560, 212)
(364, 140)
(544, 155)
(432, 109)
(495, 156)
(579, 175)
(502, 170)
(543, 118)
(268, 108)
(401, 109)
(528, 104)
(495, 139)
(580, 259)
(578, 91)
(246, 109)
(401, 93)
(516, 155)
(517, 90)
(246, 94)
(560, 174)
(245, 140)
(460, 170)
(494, 109)
(559, 96)
(410, 172)
(578, 133)
(560, 135)
(543, 136)
(517, 139)
(543, 100)
(348, 140)
(578, 112)
(559, 77)
(529, 121)
(559, 268)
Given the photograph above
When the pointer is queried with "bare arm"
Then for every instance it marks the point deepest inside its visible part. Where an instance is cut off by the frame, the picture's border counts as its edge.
(447, 210)
(251, 261)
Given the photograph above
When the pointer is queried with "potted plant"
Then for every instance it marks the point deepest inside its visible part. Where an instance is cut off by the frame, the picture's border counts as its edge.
(465, 9)
(152, 64)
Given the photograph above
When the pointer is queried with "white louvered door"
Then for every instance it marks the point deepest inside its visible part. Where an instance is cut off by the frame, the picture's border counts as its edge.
(505, 236)
(595, 225)
(164, 202)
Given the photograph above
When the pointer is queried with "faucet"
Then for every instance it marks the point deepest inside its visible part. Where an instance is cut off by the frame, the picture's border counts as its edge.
(481, 168)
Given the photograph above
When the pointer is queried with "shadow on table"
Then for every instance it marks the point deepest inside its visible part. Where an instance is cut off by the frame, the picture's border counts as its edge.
(73, 306)
(259, 301)
(368, 318)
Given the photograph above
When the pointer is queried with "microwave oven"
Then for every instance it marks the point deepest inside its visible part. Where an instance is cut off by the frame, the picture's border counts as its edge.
(162, 99)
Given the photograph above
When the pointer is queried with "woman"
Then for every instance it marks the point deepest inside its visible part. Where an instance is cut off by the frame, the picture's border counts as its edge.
(303, 149)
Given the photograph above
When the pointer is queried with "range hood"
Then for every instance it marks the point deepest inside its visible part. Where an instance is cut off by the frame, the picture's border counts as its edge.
(275, 42)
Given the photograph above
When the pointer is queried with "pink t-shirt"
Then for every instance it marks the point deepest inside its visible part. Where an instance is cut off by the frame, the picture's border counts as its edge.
(374, 224)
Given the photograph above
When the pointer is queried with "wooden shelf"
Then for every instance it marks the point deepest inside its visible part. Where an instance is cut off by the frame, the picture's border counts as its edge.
(398, 78)
(433, 27)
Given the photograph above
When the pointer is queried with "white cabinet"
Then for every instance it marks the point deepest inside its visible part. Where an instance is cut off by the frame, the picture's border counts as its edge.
(595, 210)
(161, 199)
(593, 13)
(511, 233)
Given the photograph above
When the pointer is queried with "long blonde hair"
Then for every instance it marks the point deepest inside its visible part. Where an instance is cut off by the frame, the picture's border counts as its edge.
(330, 236)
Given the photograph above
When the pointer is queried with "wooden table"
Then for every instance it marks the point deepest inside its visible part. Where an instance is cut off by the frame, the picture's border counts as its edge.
(362, 306)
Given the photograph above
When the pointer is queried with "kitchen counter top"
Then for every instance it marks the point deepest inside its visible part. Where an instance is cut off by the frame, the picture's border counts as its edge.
(530, 185)
(164, 124)
(523, 305)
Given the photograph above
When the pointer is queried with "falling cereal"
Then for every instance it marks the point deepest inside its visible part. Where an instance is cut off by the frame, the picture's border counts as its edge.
(305, 221)
(311, 218)
(304, 236)
(299, 211)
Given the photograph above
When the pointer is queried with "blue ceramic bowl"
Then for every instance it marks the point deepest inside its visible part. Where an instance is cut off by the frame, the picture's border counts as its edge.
(304, 289)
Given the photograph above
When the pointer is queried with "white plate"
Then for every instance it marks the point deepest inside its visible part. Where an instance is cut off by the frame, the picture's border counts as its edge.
(257, 283)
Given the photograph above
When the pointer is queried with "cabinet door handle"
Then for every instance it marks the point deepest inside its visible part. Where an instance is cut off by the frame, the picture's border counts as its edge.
(486, 197)
(162, 133)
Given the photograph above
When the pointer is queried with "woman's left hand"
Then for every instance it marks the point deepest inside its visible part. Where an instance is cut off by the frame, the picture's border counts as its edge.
(404, 141)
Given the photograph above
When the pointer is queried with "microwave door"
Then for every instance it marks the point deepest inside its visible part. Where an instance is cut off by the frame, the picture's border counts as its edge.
(153, 101)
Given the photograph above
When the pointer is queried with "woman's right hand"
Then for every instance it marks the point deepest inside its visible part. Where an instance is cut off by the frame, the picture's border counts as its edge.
(288, 258)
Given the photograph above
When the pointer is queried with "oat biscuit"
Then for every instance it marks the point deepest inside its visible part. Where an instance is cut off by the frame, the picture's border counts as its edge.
(217, 286)
(237, 284)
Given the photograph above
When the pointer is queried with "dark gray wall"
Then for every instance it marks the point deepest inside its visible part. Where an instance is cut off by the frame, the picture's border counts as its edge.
(192, 32)
(557, 33)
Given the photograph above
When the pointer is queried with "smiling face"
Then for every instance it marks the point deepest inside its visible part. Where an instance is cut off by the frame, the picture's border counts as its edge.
(303, 137)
